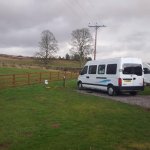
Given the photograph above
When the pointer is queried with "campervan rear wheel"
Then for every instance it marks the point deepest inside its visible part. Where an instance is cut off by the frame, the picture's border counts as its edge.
(80, 87)
(110, 90)
(133, 93)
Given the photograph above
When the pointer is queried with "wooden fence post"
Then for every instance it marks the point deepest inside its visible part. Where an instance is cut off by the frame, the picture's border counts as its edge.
(28, 79)
(71, 75)
(50, 76)
(65, 75)
(40, 77)
(64, 79)
(77, 74)
(58, 75)
(13, 79)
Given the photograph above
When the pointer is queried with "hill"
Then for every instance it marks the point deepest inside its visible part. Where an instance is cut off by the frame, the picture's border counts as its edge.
(30, 62)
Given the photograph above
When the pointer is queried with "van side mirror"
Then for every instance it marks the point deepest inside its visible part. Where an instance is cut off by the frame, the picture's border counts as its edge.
(81, 73)
(84, 70)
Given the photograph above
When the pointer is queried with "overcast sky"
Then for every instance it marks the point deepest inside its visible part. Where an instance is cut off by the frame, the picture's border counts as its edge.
(127, 32)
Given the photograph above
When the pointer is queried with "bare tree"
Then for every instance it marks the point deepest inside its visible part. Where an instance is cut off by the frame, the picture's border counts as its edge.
(48, 46)
(82, 43)
(67, 57)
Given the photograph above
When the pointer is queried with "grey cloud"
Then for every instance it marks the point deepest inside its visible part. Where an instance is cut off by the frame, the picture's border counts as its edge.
(22, 21)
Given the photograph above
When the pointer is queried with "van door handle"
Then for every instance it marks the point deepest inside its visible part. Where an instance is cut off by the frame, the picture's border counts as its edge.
(87, 77)
(134, 78)
(101, 78)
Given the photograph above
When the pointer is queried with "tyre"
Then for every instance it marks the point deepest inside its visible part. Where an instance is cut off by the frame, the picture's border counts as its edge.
(117, 92)
(110, 90)
(133, 93)
(80, 87)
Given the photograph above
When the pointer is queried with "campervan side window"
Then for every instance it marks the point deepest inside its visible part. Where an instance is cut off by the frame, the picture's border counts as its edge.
(111, 69)
(92, 69)
(84, 70)
(101, 69)
(146, 71)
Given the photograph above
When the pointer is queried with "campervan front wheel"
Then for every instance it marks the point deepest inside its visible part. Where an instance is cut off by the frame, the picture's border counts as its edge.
(110, 90)
(80, 87)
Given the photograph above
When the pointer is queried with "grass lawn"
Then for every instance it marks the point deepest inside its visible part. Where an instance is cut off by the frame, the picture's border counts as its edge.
(146, 91)
(56, 118)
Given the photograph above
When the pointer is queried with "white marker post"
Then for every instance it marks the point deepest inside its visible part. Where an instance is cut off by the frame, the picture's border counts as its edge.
(64, 81)
(46, 83)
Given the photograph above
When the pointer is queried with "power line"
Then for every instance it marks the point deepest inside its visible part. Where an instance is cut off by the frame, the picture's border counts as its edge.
(96, 28)
(77, 9)
(70, 7)
(80, 5)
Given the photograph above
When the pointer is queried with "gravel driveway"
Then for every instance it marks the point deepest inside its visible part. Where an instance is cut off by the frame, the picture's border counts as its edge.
(143, 101)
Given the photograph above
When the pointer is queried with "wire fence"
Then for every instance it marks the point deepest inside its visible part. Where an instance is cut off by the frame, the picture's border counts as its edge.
(16, 80)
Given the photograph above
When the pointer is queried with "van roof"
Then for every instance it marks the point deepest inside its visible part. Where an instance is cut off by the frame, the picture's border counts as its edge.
(109, 60)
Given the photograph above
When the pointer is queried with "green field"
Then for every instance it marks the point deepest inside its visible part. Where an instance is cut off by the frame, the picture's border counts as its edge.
(146, 91)
(57, 118)
(5, 70)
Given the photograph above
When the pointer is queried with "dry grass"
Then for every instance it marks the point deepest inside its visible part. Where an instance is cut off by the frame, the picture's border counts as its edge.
(30, 62)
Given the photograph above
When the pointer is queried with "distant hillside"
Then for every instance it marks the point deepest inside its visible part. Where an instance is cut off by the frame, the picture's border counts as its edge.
(30, 62)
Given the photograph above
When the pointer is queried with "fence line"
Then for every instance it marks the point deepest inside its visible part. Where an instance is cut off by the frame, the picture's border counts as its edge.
(16, 80)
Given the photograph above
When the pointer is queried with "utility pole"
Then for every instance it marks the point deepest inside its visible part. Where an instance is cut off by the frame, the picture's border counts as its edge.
(96, 28)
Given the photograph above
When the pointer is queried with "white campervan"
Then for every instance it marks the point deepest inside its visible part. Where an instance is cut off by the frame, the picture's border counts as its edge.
(146, 68)
(113, 75)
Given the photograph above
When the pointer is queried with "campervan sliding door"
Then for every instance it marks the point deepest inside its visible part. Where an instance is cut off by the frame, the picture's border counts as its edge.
(101, 77)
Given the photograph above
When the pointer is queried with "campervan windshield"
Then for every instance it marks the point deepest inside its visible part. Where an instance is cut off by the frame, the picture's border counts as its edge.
(135, 69)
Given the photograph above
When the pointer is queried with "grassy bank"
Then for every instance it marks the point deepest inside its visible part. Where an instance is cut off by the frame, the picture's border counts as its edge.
(27, 61)
(57, 118)
(146, 91)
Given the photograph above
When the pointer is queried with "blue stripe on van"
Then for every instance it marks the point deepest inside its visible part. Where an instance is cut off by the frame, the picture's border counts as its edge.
(105, 81)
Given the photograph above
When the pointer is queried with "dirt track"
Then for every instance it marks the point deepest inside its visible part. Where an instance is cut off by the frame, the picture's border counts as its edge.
(143, 101)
